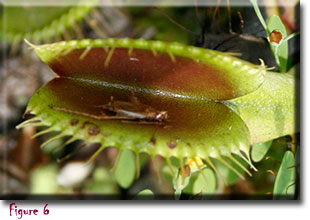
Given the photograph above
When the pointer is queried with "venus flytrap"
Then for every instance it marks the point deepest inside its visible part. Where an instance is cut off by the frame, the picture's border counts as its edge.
(214, 111)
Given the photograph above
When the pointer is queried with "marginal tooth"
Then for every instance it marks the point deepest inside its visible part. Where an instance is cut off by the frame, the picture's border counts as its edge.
(59, 160)
(31, 45)
(209, 162)
(42, 132)
(52, 139)
(107, 60)
(68, 50)
(38, 124)
(93, 157)
(72, 139)
(27, 123)
(171, 56)
(248, 161)
(240, 165)
(130, 50)
(154, 51)
(230, 167)
(85, 52)
(69, 141)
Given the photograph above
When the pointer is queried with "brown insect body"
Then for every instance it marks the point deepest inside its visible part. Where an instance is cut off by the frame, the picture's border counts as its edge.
(134, 110)
(125, 111)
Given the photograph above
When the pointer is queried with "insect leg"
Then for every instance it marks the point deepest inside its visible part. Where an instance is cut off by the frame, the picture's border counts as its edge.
(98, 117)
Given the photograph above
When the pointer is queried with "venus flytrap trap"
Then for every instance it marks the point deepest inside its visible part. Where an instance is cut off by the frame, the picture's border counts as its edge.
(216, 105)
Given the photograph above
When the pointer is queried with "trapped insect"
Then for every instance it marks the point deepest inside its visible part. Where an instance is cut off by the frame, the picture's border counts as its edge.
(125, 111)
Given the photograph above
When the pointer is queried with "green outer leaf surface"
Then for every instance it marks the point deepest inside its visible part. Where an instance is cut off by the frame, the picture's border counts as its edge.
(195, 128)
(259, 150)
(154, 65)
(285, 180)
(125, 169)
(269, 112)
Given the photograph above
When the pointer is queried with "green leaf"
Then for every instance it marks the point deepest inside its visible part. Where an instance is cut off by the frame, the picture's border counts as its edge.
(279, 50)
(275, 23)
(259, 150)
(203, 182)
(145, 194)
(258, 13)
(125, 169)
(284, 187)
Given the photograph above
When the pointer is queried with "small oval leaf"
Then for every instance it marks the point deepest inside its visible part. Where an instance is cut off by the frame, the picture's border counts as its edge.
(125, 169)
(284, 187)
(203, 182)
(259, 150)
(145, 194)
